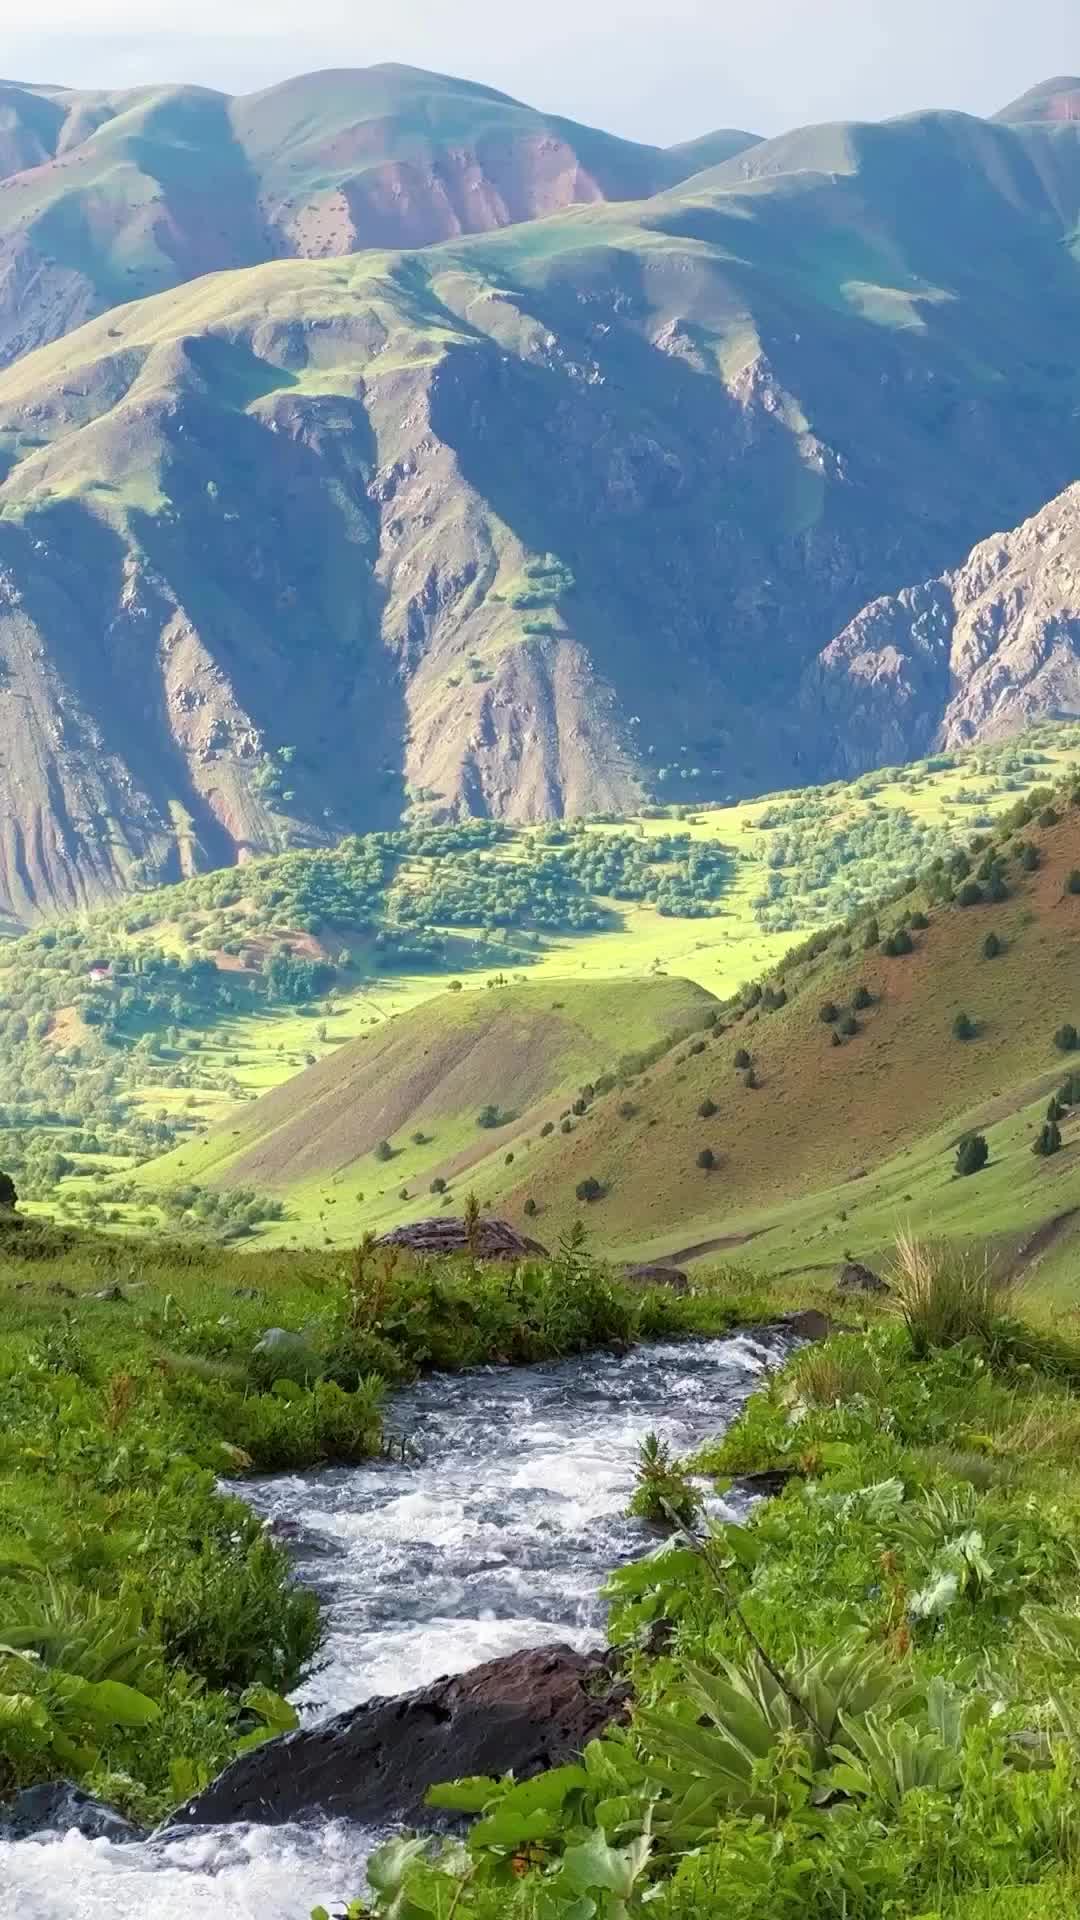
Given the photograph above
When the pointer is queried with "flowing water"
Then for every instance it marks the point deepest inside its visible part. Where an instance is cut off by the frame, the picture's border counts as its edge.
(497, 1534)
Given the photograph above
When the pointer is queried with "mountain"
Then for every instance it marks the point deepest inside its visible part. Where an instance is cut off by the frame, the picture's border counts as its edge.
(971, 655)
(105, 197)
(861, 1086)
(540, 521)
(1051, 104)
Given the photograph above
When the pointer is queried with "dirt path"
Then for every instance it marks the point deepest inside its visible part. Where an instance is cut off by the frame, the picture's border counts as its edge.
(722, 1244)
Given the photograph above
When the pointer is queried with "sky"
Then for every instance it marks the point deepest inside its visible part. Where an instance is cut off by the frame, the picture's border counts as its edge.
(660, 71)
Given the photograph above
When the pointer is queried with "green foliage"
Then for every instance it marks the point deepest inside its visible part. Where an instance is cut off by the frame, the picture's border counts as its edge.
(897, 943)
(662, 1494)
(829, 1013)
(964, 1027)
(992, 947)
(706, 1160)
(1048, 1140)
(972, 1154)
(1066, 1039)
(742, 1059)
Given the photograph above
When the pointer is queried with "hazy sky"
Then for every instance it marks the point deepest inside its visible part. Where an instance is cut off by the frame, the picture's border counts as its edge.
(659, 71)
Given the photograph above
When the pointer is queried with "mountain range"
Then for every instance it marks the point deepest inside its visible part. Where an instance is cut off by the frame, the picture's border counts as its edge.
(379, 447)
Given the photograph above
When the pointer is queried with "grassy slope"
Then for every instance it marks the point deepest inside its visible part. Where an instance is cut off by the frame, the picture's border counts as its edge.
(526, 1050)
(838, 1144)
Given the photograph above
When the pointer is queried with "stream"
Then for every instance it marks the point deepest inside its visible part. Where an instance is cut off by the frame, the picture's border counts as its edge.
(497, 1535)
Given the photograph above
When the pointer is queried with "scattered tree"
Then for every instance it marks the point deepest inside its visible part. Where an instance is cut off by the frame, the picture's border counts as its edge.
(707, 1109)
(438, 1184)
(742, 1059)
(589, 1189)
(706, 1160)
(972, 1154)
(849, 1026)
(1047, 1140)
(964, 1027)
(383, 1150)
(1066, 1038)
(530, 1207)
(1072, 880)
(862, 998)
(991, 947)
(829, 1013)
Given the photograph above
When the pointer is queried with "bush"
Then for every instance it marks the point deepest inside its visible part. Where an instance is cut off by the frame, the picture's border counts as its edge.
(1047, 1140)
(742, 1059)
(383, 1150)
(706, 1160)
(750, 1078)
(972, 1154)
(991, 947)
(438, 1185)
(548, 1127)
(1066, 1039)
(1049, 817)
(836, 1040)
(706, 1109)
(488, 1117)
(1030, 858)
(1069, 1091)
(862, 998)
(872, 935)
(829, 1013)
(898, 942)
(530, 1208)
(1072, 880)
(970, 894)
(589, 1189)
(919, 921)
(964, 1027)
(849, 1026)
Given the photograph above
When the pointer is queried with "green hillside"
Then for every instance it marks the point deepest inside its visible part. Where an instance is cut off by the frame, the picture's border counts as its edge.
(139, 1026)
(404, 1120)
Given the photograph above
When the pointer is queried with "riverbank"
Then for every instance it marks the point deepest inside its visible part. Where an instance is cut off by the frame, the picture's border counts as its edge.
(153, 1624)
(862, 1703)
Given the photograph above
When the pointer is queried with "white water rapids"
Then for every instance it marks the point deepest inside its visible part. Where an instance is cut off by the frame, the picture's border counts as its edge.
(498, 1536)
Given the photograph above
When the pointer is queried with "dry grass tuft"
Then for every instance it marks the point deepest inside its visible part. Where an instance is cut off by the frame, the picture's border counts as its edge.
(946, 1293)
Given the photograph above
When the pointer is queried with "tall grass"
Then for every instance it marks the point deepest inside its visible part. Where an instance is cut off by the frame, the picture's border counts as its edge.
(946, 1293)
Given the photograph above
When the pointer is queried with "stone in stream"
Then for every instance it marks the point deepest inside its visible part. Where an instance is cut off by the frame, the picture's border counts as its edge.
(60, 1807)
(374, 1764)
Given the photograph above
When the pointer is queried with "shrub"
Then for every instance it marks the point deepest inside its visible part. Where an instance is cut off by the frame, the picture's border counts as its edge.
(1049, 817)
(919, 921)
(862, 998)
(488, 1116)
(438, 1185)
(972, 1154)
(383, 1150)
(964, 1027)
(1066, 1039)
(872, 934)
(589, 1189)
(706, 1109)
(1047, 1140)
(1069, 1091)
(742, 1059)
(706, 1160)
(1030, 858)
(1072, 880)
(662, 1494)
(548, 1127)
(849, 1026)
(566, 1126)
(836, 1040)
(991, 947)
(750, 1078)
(829, 1013)
(530, 1208)
(970, 894)
(898, 942)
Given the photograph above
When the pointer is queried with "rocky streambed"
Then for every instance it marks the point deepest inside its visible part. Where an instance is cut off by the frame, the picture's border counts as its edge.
(492, 1539)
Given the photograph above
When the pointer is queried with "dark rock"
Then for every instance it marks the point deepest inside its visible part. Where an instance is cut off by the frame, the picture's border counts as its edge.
(491, 1239)
(658, 1276)
(855, 1278)
(246, 1293)
(60, 1807)
(810, 1325)
(375, 1763)
(767, 1484)
(110, 1293)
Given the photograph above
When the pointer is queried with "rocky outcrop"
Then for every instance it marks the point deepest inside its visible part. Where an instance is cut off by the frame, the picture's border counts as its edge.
(60, 1807)
(855, 1278)
(375, 1763)
(488, 1240)
(974, 655)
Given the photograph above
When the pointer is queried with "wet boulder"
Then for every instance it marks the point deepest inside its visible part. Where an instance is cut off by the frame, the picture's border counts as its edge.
(375, 1763)
(60, 1807)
